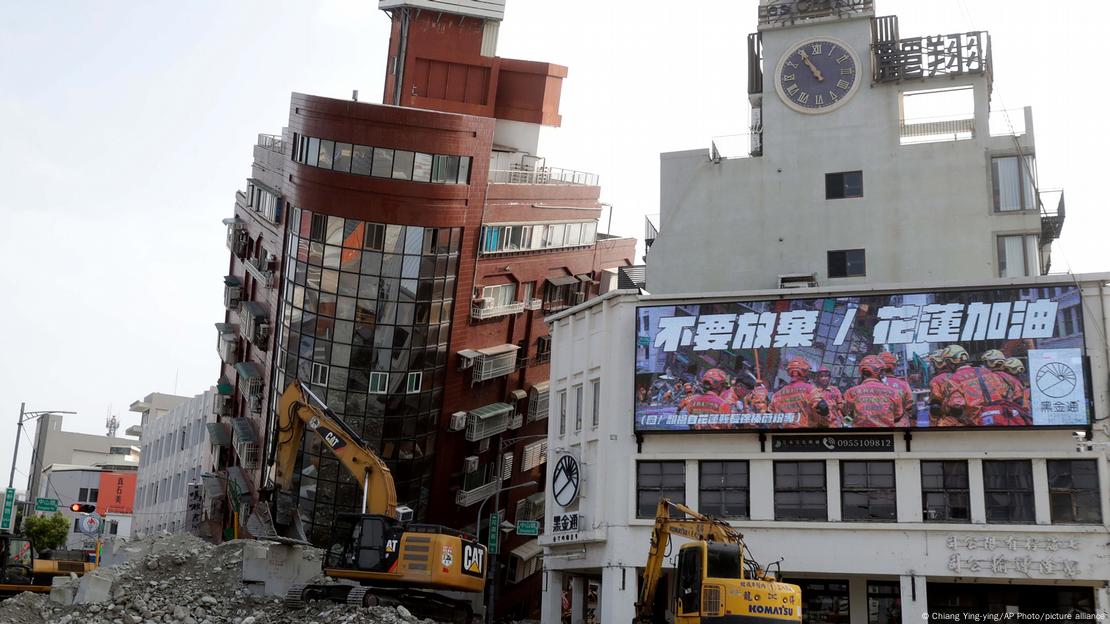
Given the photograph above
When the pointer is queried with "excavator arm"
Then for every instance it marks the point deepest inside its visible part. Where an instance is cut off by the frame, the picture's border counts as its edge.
(298, 410)
(691, 525)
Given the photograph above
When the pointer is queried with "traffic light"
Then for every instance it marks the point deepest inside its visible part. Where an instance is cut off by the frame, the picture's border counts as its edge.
(82, 507)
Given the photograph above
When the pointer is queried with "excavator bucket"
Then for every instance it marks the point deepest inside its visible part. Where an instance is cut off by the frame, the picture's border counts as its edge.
(261, 523)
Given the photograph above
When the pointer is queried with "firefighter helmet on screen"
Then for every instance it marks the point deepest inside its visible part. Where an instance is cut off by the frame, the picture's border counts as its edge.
(1013, 366)
(889, 360)
(994, 359)
(714, 379)
(955, 354)
(871, 366)
(798, 367)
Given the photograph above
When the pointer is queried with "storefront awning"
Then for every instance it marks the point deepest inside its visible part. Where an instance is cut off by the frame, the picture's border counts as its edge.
(492, 410)
(563, 280)
(528, 550)
(248, 370)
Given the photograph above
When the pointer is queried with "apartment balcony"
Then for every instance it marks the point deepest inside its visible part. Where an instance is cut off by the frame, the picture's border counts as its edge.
(936, 129)
(233, 292)
(262, 269)
(245, 441)
(466, 498)
(272, 142)
(228, 344)
(483, 309)
(488, 420)
(1052, 214)
(237, 237)
(542, 175)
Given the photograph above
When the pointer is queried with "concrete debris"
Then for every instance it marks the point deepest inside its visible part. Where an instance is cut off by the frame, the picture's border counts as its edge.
(181, 579)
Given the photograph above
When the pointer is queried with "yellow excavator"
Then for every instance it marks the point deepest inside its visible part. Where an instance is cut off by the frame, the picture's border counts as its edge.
(432, 570)
(21, 570)
(716, 582)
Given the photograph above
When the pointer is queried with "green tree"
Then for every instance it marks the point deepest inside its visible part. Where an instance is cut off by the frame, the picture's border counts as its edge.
(46, 532)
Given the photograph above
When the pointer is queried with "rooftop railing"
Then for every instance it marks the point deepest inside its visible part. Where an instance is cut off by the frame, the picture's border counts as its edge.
(542, 175)
(936, 129)
(272, 142)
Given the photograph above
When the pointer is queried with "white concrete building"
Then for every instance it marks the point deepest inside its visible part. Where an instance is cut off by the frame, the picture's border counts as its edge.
(55, 446)
(846, 179)
(69, 483)
(975, 540)
(176, 454)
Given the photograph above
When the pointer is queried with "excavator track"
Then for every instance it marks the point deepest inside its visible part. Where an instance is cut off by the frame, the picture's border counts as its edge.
(294, 597)
(357, 597)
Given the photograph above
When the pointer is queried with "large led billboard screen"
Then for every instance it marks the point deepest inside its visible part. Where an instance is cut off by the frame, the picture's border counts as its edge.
(1004, 357)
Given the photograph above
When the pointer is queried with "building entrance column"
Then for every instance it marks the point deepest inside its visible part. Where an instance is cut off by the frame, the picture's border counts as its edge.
(577, 599)
(551, 602)
(914, 611)
(618, 594)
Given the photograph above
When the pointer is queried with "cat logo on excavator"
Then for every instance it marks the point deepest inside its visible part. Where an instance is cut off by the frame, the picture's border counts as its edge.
(473, 561)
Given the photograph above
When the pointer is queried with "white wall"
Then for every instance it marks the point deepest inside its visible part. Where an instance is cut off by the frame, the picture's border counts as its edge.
(925, 214)
(176, 451)
(598, 340)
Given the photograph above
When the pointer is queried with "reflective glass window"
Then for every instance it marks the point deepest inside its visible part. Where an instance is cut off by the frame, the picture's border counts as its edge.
(313, 152)
(422, 167)
(327, 149)
(362, 159)
(342, 161)
(402, 164)
(383, 163)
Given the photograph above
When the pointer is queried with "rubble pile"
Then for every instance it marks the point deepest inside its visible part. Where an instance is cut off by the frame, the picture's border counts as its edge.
(180, 580)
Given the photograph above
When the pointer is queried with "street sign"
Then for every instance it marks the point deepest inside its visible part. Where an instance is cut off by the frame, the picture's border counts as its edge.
(49, 505)
(7, 518)
(527, 527)
(494, 532)
(89, 524)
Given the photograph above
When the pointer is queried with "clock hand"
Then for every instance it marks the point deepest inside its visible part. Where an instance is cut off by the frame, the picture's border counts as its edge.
(812, 67)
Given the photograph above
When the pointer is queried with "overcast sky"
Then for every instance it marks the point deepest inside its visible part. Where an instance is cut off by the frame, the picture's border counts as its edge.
(129, 126)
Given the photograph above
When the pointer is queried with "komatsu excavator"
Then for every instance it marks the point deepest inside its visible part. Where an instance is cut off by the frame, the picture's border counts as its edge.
(716, 582)
(429, 569)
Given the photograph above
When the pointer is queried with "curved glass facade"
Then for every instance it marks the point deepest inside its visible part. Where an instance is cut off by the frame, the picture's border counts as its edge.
(365, 321)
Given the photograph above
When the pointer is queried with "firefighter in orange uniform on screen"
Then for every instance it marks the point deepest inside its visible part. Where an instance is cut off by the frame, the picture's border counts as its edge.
(708, 401)
(995, 360)
(944, 361)
(975, 395)
(872, 403)
(756, 400)
(832, 412)
(794, 397)
(1014, 367)
(890, 361)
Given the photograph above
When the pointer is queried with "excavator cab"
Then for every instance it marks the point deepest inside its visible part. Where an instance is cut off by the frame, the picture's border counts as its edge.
(714, 580)
(368, 543)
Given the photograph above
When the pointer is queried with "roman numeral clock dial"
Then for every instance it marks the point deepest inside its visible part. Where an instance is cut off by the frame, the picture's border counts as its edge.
(817, 75)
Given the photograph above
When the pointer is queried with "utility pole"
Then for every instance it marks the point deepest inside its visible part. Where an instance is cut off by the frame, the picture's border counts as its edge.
(25, 416)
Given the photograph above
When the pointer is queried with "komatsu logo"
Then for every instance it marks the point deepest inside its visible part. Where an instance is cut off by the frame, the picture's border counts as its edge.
(768, 610)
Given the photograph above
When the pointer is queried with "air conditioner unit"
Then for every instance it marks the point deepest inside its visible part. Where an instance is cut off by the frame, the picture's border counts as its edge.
(465, 361)
(579, 297)
(458, 421)
(261, 333)
(470, 464)
(483, 446)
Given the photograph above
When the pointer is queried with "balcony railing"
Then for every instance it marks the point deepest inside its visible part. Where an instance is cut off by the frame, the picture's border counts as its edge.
(1052, 214)
(1009, 122)
(272, 142)
(481, 311)
(465, 498)
(744, 145)
(936, 129)
(261, 271)
(542, 175)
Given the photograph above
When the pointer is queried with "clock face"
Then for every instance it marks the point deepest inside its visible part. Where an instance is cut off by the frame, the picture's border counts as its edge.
(817, 75)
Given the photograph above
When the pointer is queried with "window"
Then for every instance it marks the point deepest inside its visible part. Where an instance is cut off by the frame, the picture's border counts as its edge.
(327, 148)
(800, 490)
(422, 168)
(579, 393)
(501, 295)
(945, 492)
(1073, 491)
(867, 490)
(595, 408)
(844, 185)
(181, 446)
(313, 152)
(375, 236)
(1008, 486)
(320, 374)
(884, 602)
(77, 525)
(723, 488)
(378, 382)
(1018, 256)
(1013, 183)
(83, 495)
(383, 163)
(823, 600)
(847, 263)
(526, 291)
(415, 380)
(562, 412)
(342, 160)
(656, 480)
(318, 227)
(362, 160)
(535, 454)
(402, 164)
